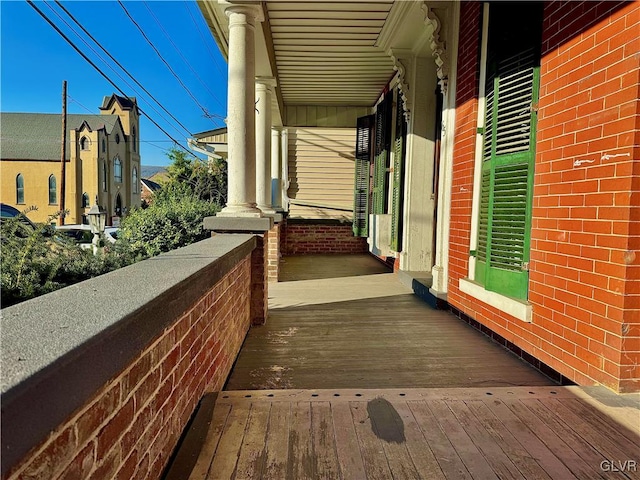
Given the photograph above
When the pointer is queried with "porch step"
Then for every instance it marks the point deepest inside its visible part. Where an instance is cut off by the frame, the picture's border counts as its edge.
(420, 283)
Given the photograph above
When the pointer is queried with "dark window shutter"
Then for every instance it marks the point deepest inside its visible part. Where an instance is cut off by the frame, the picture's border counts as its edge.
(399, 143)
(362, 176)
(502, 254)
(383, 116)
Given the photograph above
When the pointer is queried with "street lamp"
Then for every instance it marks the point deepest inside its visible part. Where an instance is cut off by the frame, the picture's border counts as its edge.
(97, 219)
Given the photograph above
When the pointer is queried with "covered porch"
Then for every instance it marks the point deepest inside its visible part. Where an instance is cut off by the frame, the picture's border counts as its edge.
(353, 376)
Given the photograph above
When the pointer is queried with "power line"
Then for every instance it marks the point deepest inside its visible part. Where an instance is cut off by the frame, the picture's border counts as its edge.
(106, 63)
(122, 67)
(206, 113)
(204, 40)
(73, 45)
(181, 55)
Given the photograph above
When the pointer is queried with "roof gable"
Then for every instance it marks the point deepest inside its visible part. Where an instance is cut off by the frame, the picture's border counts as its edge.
(125, 103)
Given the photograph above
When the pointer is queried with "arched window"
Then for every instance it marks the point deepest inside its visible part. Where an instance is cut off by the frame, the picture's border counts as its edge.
(53, 190)
(134, 180)
(104, 176)
(134, 138)
(117, 170)
(117, 138)
(85, 144)
(104, 145)
(85, 200)
(19, 189)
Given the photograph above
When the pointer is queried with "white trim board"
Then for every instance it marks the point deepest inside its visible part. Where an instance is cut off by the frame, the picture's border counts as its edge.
(516, 308)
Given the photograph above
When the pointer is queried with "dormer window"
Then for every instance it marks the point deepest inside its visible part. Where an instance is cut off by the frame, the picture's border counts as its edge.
(85, 144)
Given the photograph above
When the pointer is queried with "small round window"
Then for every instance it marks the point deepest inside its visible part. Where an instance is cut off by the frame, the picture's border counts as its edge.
(117, 138)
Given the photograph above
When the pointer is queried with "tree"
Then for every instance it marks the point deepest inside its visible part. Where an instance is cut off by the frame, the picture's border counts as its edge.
(173, 220)
(206, 179)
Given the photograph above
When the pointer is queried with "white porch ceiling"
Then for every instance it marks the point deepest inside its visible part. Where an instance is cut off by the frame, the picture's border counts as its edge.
(325, 52)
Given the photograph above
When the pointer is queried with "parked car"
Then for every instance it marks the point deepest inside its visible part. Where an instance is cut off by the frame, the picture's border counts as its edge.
(7, 211)
(111, 234)
(80, 234)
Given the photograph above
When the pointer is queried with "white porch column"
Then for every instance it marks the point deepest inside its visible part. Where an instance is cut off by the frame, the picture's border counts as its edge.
(263, 143)
(284, 155)
(276, 170)
(241, 199)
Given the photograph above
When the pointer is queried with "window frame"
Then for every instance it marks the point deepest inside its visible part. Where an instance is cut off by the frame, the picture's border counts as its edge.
(134, 180)
(117, 170)
(519, 307)
(53, 190)
(20, 189)
(105, 175)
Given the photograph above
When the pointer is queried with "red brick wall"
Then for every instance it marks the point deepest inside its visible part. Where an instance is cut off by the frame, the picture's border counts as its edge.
(131, 427)
(309, 238)
(585, 258)
(274, 238)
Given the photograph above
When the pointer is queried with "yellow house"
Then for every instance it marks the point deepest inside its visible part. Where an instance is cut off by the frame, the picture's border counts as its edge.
(102, 161)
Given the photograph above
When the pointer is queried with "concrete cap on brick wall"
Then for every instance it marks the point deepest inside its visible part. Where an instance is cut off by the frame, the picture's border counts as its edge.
(239, 224)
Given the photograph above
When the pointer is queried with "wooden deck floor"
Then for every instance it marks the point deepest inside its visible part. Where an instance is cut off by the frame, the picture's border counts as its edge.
(481, 433)
(364, 329)
(353, 377)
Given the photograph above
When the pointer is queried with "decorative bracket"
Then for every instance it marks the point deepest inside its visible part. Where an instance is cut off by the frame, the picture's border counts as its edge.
(402, 61)
(438, 46)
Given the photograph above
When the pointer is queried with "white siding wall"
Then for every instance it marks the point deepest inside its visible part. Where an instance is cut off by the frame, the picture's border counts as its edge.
(323, 116)
(321, 172)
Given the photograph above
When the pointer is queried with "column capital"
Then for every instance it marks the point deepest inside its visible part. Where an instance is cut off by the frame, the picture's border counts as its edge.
(253, 9)
(265, 83)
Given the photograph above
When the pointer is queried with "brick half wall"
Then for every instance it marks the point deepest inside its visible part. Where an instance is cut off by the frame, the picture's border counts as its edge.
(313, 237)
(131, 423)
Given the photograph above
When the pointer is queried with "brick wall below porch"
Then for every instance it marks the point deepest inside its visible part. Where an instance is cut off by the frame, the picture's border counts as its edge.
(274, 245)
(308, 237)
(149, 373)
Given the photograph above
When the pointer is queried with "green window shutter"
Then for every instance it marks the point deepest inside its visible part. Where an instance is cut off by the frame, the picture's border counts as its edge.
(362, 176)
(382, 148)
(398, 162)
(502, 253)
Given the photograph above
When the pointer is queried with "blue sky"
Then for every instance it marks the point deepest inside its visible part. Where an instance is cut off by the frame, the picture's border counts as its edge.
(35, 59)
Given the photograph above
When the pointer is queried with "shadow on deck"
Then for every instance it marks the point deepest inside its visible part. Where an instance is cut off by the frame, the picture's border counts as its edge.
(354, 377)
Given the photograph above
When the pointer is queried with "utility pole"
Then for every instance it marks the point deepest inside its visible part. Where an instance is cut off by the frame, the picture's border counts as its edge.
(63, 154)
